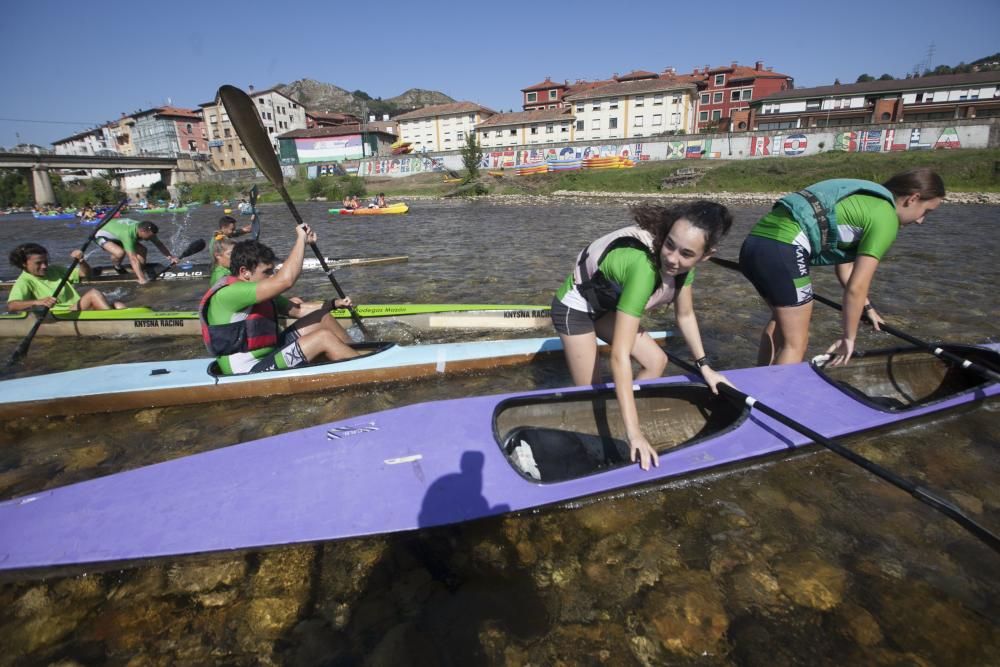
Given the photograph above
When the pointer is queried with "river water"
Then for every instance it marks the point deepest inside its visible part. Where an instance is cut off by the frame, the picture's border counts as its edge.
(803, 559)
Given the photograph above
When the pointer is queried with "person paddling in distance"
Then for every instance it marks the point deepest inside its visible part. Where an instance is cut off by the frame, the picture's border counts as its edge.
(227, 229)
(121, 238)
(36, 285)
(623, 274)
(845, 222)
(239, 313)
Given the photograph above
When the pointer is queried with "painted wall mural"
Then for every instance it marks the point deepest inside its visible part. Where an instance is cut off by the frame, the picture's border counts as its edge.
(400, 166)
(882, 141)
(511, 158)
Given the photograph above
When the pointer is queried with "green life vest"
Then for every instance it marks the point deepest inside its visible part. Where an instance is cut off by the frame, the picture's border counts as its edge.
(814, 208)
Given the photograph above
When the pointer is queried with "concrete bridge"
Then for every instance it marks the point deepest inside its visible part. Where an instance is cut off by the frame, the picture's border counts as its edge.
(41, 164)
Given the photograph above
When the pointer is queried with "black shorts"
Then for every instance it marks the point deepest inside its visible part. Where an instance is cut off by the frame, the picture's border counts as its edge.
(288, 354)
(569, 322)
(779, 271)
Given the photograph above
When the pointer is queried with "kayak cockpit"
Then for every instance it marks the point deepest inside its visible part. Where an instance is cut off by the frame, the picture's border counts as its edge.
(364, 350)
(901, 379)
(565, 436)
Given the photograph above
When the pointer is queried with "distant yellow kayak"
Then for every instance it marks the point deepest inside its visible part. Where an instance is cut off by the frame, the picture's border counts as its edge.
(400, 207)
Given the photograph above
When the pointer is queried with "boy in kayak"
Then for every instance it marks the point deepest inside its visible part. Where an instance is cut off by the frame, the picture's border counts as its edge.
(620, 276)
(239, 314)
(227, 229)
(222, 251)
(845, 222)
(121, 238)
(36, 285)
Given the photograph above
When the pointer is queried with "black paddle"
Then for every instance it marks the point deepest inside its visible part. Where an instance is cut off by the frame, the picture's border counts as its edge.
(246, 122)
(193, 248)
(22, 348)
(923, 495)
(936, 350)
(254, 216)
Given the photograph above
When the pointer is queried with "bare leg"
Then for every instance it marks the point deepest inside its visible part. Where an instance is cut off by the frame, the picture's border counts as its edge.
(93, 299)
(581, 357)
(792, 333)
(766, 352)
(651, 357)
(323, 335)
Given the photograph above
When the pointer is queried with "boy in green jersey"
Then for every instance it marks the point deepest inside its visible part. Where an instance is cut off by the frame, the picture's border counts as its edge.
(121, 238)
(36, 285)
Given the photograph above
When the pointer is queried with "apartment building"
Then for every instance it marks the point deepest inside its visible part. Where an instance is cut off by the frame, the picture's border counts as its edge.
(944, 97)
(278, 113)
(89, 142)
(725, 93)
(636, 105)
(525, 128)
(167, 131)
(441, 127)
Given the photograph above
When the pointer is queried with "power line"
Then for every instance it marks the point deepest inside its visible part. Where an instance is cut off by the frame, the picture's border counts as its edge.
(51, 122)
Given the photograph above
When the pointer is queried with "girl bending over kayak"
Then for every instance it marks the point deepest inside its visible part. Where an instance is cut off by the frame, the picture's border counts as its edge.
(845, 222)
(620, 276)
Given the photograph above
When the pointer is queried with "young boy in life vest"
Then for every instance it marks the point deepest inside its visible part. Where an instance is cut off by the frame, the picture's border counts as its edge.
(239, 314)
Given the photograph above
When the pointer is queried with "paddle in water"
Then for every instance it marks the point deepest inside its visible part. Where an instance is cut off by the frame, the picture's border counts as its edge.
(246, 121)
(193, 248)
(22, 348)
(936, 350)
(925, 496)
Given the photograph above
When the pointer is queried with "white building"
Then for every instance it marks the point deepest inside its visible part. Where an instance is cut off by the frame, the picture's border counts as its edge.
(525, 128)
(91, 142)
(441, 127)
(278, 114)
(627, 109)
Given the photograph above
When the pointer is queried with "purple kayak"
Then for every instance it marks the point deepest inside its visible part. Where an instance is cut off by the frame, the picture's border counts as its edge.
(450, 461)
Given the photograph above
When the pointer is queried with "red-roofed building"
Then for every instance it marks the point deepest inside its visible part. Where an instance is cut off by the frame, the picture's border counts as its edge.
(441, 127)
(725, 93)
(168, 131)
(540, 126)
(329, 119)
(278, 114)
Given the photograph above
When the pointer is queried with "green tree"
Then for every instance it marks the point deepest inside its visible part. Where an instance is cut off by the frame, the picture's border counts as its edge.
(887, 77)
(158, 191)
(865, 78)
(472, 157)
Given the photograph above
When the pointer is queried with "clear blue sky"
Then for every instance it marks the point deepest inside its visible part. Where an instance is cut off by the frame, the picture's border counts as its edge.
(84, 63)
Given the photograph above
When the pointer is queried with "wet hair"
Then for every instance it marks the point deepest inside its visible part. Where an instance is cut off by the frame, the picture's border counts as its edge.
(220, 244)
(714, 220)
(227, 220)
(19, 255)
(248, 254)
(921, 181)
(149, 226)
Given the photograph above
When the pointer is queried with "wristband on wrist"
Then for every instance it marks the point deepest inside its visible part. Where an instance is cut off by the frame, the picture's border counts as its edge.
(867, 307)
(701, 363)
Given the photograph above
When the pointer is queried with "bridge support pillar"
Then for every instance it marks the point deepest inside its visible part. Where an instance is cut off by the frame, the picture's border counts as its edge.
(167, 176)
(42, 186)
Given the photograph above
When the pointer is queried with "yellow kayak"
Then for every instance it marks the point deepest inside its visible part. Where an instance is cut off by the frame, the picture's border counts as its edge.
(388, 210)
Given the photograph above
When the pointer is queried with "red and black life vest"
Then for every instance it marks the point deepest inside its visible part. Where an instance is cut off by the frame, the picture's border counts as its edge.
(255, 328)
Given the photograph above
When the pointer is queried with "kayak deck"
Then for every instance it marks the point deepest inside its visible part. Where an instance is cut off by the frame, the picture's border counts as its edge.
(456, 466)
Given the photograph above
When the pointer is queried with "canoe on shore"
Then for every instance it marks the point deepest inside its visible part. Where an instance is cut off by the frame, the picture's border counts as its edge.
(188, 270)
(145, 322)
(388, 210)
(152, 384)
(452, 461)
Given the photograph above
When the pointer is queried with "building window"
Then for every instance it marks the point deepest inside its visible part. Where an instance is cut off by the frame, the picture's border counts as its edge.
(675, 119)
(212, 118)
(886, 116)
(657, 100)
(717, 114)
(657, 119)
(550, 128)
(716, 98)
(534, 129)
(579, 126)
(613, 104)
(702, 116)
(705, 97)
(595, 106)
(720, 79)
(748, 94)
(553, 94)
(532, 97)
(232, 162)
(460, 135)
(734, 96)
(227, 133)
(513, 132)
(677, 99)
(244, 161)
(595, 124)
(813, 105)
(564, 128)
(638, 121)
(640, 100)
(613, 123)
(579, 107)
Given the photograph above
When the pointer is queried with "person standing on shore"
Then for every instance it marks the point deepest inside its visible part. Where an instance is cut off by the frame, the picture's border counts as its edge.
(620, 276)
(849, 223)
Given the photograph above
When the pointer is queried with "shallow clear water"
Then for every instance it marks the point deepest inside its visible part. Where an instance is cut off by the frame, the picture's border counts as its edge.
(806, 559)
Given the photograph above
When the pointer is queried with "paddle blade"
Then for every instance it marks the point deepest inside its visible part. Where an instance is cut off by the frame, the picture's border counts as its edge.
(194, 248)
(243, 115)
